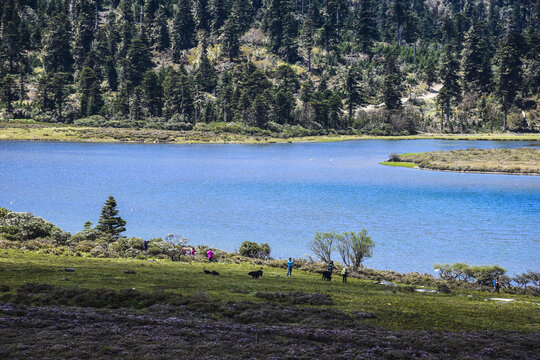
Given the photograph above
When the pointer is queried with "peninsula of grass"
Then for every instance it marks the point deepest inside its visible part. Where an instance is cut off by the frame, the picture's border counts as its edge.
(206, 134)
(522, 161)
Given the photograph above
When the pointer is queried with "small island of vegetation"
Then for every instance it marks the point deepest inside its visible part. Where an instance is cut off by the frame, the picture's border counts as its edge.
(525, 161)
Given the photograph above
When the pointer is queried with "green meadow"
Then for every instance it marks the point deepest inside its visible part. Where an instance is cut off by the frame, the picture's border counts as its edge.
(394, 308)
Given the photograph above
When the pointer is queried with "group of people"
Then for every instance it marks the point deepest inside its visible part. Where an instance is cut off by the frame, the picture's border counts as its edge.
(344, 272)
(191, 253)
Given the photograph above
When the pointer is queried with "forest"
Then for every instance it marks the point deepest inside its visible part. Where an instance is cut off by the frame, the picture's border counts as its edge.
(305, 67)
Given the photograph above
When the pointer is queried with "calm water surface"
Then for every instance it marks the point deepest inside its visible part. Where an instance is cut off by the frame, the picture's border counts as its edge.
(282, 194)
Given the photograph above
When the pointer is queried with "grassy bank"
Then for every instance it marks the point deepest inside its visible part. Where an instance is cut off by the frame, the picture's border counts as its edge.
(394, 308)
(525, 161)
(21, 130)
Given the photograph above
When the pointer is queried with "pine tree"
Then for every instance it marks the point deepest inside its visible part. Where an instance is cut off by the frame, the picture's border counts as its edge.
(283, 107)
(242, 12)
(231, 44)
(13, 37)
(56, 45)
(218, 13)
(53, 90)
(366, 28)
(202, 15)
(90, 93)
(138, 61)
(225, 97)
(509, 72)
(352, 91)
(260, 110)
(476, 65)
(8, 92)
(205, 75)
(153, 93)
(109, 221)
(392, 85)
(183, 29)
(178, 94)
(84, 30)
(449, 74)
(282, 28)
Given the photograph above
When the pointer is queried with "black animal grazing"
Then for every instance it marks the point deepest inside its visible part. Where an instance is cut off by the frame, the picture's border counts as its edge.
(213, 272)
(256, 274)
(327, 275)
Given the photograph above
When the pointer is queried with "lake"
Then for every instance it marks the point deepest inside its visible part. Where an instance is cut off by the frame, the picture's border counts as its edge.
(222, 195)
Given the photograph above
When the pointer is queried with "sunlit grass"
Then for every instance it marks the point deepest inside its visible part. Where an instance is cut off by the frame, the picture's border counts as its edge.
(394, 309)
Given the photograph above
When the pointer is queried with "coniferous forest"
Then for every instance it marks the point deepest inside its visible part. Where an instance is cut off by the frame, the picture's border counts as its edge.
(309, 67)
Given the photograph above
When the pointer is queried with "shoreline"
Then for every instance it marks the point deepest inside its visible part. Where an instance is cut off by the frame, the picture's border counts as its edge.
(72, 133)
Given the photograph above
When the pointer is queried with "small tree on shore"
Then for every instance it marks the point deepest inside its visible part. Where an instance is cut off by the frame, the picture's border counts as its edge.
(322, 245)
(109, 221)
(355, 247)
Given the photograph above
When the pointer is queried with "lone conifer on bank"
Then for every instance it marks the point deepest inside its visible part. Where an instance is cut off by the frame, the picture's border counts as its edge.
(109, 222)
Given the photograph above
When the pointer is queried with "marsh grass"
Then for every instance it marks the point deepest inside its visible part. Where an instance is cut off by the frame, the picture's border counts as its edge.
(513, 161)
(160, 281)
(28, 130)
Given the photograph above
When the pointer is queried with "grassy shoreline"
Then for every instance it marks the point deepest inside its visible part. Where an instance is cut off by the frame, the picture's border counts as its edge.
(12, 131)
(520, 161)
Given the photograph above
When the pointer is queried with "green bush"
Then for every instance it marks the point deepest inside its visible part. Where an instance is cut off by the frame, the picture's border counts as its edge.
(93, 121)
(254, 250)
(23, 226)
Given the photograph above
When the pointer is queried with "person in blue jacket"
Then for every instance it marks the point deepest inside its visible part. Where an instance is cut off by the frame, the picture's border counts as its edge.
(290, 264)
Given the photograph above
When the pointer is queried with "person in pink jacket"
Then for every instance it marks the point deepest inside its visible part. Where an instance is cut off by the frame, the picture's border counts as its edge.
(210, 255)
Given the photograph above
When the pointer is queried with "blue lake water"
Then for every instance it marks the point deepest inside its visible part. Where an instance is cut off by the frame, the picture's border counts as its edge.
(222, 195)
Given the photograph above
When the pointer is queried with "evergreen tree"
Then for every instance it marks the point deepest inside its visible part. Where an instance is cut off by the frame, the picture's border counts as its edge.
(84, 30)
(366, 28)
(8, 92)
(352, 92)
(242, 12)
(183, 29)
(178, 94)
(287, 79)
(231, 44)
(281, 27)
(138, 61)
(53, 90)
(153, 93)
(283, 107)
(218, 13)
(202, 15)
(56, 45)
(308, 30)
(205, 75)
(109, 221)
(90, 93)
(13, 37)
(509, 71)
(392, 85)
(477, 75)
(260, 110)
(136, 104)
(225, 97)
(162, 35)
(449, 74)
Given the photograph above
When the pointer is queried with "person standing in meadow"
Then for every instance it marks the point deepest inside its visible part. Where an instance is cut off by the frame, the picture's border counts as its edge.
(344, 273)
(210, 254)
(290, 264)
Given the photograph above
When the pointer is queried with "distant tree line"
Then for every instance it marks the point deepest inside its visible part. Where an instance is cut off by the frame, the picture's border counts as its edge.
(307, 63)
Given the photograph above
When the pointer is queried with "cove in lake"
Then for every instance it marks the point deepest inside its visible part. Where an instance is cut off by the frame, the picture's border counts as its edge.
(222, 195)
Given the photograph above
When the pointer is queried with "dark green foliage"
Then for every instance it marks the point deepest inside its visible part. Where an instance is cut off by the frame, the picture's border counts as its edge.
(366, 27)
(477, 74)
(83, 30)
(509, 71)
(449, 73)
(138, 61)
(202, 15)
(153, 93)
(56, 45)
(109, 221)
(90, 93)
(254, 250)
(205, 75)
(53, 89)
(183, 33)
(392, 85)
(353, 92)
(8, 92)
(282, 28)
(178, 94)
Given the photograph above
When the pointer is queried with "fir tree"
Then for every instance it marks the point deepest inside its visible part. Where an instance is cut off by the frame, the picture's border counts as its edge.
(162, 34)
(476, 65)
(13, 36)
(392, 85)
(178, 94)
(509, 72)
(183, 29)
(242, 12)
(283, 107)
(90, 93)
(109, 221)
(53, 90)
(84, 30)
(202, 15)
(56, 45)
(153, 93)
(225, 97)
(218, 13)
(260, 110)
(449, 74)
(205, 75)
(138, 61)
(231, 44)
(352, 92)
(8, 92)
(366, 28)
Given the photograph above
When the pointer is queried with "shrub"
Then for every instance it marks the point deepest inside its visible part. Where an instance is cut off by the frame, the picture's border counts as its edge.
(23, 226)
(93, 121)
(482, 275)
(254, 250)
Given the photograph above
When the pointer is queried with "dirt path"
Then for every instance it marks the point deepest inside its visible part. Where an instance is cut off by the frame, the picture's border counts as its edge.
(431, 94)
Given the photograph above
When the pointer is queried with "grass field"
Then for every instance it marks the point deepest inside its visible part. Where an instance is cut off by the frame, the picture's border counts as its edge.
(393, 308)
(20, 130)
(524, 161)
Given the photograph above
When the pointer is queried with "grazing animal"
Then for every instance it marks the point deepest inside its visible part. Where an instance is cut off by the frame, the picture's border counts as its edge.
(256, 274)
(327, 275)
(213, 272)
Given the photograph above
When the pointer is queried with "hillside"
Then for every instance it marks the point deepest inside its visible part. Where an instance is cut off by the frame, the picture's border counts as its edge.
(286, 67)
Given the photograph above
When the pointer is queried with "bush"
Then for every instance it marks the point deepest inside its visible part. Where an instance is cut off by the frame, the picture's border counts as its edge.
(482, 275)
(254, 250)
(93, 121)
(23, 226)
